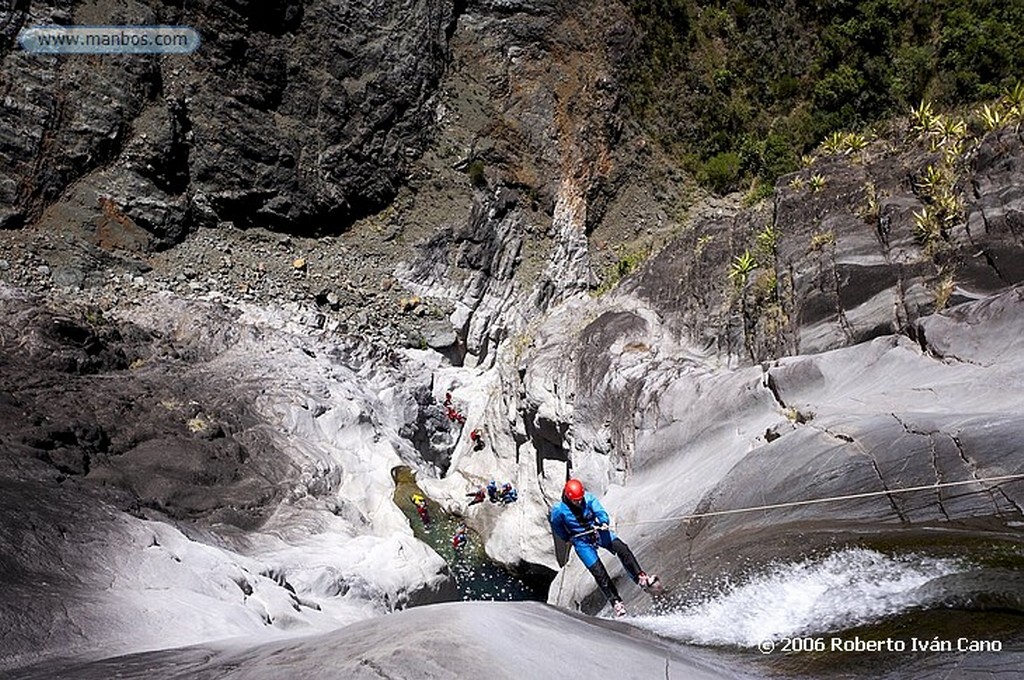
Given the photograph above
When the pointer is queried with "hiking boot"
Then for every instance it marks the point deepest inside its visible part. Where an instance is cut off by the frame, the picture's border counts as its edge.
(620, 609)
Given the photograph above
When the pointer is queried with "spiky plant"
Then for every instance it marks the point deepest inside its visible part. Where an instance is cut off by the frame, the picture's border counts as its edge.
(817, 182)
(833, 144)
(797, 183)
(822, 240)
(741, 267)
(952, 151)
(870, 209)
(853, 142)
(921, 118)
(702, 243)
(1013, 100)
(927, 225)
(767, 240)
(948, 130)
(948, 206)
(932, 179)
(944, 290)
(991, 116)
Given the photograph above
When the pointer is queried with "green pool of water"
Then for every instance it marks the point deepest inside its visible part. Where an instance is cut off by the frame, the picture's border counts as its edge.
(475, 575)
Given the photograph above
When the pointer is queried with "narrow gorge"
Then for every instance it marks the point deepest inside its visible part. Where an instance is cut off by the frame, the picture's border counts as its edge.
(257, 297)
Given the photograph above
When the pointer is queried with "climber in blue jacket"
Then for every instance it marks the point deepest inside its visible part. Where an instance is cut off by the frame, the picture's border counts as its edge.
(582, 520)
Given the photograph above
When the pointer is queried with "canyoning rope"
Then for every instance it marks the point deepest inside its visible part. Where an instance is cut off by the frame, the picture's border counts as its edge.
(827, 499)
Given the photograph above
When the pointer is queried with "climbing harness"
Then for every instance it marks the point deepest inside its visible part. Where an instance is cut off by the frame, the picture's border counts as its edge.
(828, 499)
(592, 530)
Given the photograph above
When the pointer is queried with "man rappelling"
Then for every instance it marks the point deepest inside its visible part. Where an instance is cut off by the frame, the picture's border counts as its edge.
(581, 519)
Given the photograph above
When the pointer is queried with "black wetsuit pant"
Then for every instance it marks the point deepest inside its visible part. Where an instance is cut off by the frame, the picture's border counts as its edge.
(604, 581)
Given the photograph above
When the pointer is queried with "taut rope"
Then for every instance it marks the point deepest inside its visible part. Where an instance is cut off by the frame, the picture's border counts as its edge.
(828, 499)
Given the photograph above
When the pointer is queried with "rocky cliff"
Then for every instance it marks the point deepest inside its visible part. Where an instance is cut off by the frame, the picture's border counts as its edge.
(294, 116)
(237, 287)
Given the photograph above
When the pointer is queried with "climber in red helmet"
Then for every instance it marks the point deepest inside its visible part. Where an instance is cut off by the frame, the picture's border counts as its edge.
(582, 520)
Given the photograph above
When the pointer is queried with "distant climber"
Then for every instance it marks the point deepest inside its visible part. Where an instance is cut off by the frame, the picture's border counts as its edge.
(582, 520)
(492, 491)
(477, 437)
(461, 537)
(421, 508)
(478, 496)
(454, 415)
(508, 494)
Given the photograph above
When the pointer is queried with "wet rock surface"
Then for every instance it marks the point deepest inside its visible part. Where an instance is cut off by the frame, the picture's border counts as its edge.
(380, 647)
(614, 389)
(861, 421)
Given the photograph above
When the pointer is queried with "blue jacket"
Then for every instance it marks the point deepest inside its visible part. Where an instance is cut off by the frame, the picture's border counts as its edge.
(571, 526)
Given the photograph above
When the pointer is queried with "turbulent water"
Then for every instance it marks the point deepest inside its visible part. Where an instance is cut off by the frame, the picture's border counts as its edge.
(843, 590)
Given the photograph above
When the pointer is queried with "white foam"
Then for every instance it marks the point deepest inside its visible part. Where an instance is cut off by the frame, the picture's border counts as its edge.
(847, 588)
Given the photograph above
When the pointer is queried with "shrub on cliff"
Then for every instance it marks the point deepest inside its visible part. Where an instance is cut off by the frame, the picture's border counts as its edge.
(721, 171)
(768, 81)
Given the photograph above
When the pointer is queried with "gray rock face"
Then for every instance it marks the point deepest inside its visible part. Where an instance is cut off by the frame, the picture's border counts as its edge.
(844, 263)
(515, 639)
(532, 124)
(120, 437)
(687, 392)
(694, 442)
(293, 116)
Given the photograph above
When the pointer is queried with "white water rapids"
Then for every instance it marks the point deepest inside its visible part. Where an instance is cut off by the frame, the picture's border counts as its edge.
(845, 589)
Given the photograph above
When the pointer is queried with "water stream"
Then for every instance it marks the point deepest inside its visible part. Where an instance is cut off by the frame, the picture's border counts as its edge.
(843, 590)
(857, 612)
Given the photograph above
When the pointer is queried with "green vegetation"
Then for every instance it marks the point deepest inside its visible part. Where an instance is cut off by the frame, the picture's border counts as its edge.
(94, 317)
(796, 416)
(767, 241)
(741, 90)
(1007, 109)
(476, 173)
(1013, 100)
(844, 143)
(991, 116)
(869, 210)
(758, 191)
(741, 267)
(940, 186)
(761, 291)
(721, 172)
(629, 261)
(702, 243)
(943, 291)
(822, 240)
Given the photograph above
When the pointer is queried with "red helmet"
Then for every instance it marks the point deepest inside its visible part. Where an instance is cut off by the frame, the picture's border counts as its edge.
(573, 491)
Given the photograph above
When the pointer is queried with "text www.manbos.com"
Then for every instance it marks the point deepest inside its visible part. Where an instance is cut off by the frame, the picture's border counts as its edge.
(109, 39)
